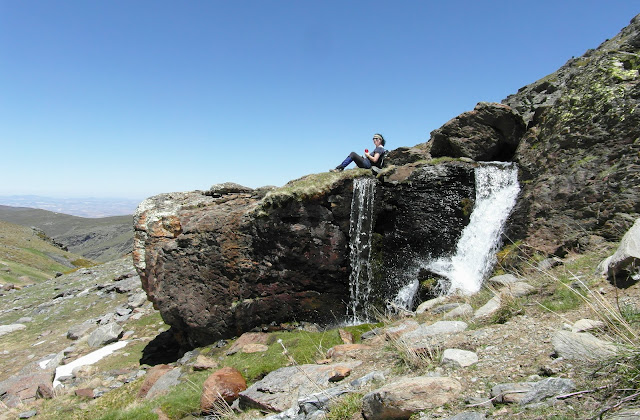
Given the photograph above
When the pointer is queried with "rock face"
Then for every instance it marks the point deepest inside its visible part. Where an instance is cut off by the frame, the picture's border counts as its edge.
(219, 264)
(579, 157)
(490, 132)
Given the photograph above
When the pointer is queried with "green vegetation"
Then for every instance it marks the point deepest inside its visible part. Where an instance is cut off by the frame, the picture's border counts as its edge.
(27, 258)
(345, 407)
(310, 187)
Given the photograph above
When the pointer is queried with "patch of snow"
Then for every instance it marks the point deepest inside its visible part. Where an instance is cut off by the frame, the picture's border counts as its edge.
(89, 359)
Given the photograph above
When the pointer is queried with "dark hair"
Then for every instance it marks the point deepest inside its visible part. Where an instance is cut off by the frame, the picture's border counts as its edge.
(381, 138)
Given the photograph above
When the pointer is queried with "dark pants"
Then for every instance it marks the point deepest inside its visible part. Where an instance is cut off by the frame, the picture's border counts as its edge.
(362, 162)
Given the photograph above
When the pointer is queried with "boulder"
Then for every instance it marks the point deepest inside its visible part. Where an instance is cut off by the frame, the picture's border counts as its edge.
(280, 389)
(105, 334)
(402, 399)
(221, 388)
(582, 346)
(490, 132)
(624, 264)
(459, 358)
(216, 267)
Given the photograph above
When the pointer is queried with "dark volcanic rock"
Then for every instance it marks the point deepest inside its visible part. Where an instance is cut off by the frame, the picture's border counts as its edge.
(490, 132)
(580, 158)
(217, 267)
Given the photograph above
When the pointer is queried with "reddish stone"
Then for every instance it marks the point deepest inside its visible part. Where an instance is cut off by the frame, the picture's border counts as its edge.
(221, 387)
(152, 377)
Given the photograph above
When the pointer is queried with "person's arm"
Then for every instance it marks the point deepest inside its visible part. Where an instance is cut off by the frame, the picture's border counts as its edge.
(373, 158)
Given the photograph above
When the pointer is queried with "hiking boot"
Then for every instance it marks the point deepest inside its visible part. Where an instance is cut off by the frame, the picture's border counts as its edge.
(337, 169)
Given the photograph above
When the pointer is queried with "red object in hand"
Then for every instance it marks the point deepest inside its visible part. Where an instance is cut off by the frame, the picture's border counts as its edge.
(366, 150)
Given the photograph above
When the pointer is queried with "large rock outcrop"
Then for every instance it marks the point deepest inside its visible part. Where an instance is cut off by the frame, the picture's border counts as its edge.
(216, 264)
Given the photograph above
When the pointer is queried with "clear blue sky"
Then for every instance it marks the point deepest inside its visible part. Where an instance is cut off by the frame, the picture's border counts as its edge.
(131, 98)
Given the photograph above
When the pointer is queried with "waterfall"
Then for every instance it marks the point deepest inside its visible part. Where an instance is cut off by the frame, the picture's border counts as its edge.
(496, 193)
(362, 206)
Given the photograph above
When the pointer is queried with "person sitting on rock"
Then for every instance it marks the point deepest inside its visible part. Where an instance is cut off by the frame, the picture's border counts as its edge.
(368, 160)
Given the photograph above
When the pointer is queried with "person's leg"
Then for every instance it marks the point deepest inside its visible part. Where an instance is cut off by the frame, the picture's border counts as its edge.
(344, 163)
(360, 161)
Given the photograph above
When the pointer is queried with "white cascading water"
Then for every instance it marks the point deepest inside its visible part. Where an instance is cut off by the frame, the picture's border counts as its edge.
(362, 205)
(497, 189)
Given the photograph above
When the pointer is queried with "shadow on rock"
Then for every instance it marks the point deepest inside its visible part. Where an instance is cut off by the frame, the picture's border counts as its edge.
(162, 350)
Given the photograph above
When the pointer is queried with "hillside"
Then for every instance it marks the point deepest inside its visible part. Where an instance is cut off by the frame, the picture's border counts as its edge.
(97, 239)
(28, 256)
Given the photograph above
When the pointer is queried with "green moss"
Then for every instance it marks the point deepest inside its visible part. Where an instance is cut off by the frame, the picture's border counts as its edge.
(467, 206)
(309, 187)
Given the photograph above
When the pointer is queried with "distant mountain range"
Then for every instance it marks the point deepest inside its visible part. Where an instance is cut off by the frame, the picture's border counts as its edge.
(82, 207)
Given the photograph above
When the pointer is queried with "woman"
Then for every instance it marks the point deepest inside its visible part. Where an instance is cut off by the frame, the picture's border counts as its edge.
(369, 159)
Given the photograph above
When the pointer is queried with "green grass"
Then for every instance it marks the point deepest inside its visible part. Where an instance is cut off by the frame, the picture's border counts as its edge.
(302, 347)
(345, 407)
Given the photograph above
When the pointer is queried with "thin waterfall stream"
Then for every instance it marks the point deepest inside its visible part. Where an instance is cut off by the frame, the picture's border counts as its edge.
(362, 206)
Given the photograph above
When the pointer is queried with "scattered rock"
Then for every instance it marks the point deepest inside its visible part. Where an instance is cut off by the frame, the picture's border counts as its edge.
(459, 358)
(488, 308)
(349, 350)
(221, 388)
(462, 311)
(105, 334)
(277, 391)
(151, 378)
(346, 336)
(204, 363)
(525, 393)
(624, 264)
(247, 338)
(584, 325)
(581, 346)
(427, 305)
(6, 329)
(503, 280)
(402, 399)
(78, 331)
(85, 393)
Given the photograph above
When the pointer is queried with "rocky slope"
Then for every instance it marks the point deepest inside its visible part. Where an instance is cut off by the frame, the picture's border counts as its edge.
(523, 347)
(97, 239)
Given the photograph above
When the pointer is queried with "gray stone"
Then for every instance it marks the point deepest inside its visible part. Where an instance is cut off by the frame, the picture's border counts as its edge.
(428, 304)
(445, 308)
(78, 331)
(503, 279)
(6, 329)
(626, 260)
(518, 289)
(459, 358)
(462, 311)
(402, 399)
(525, 393)
(104, 335)
(165, 383)
(280, 389)
(489, 308)
(582, 346)
(137, 300)
(422, 336)
(583, 325)
(468, 415)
